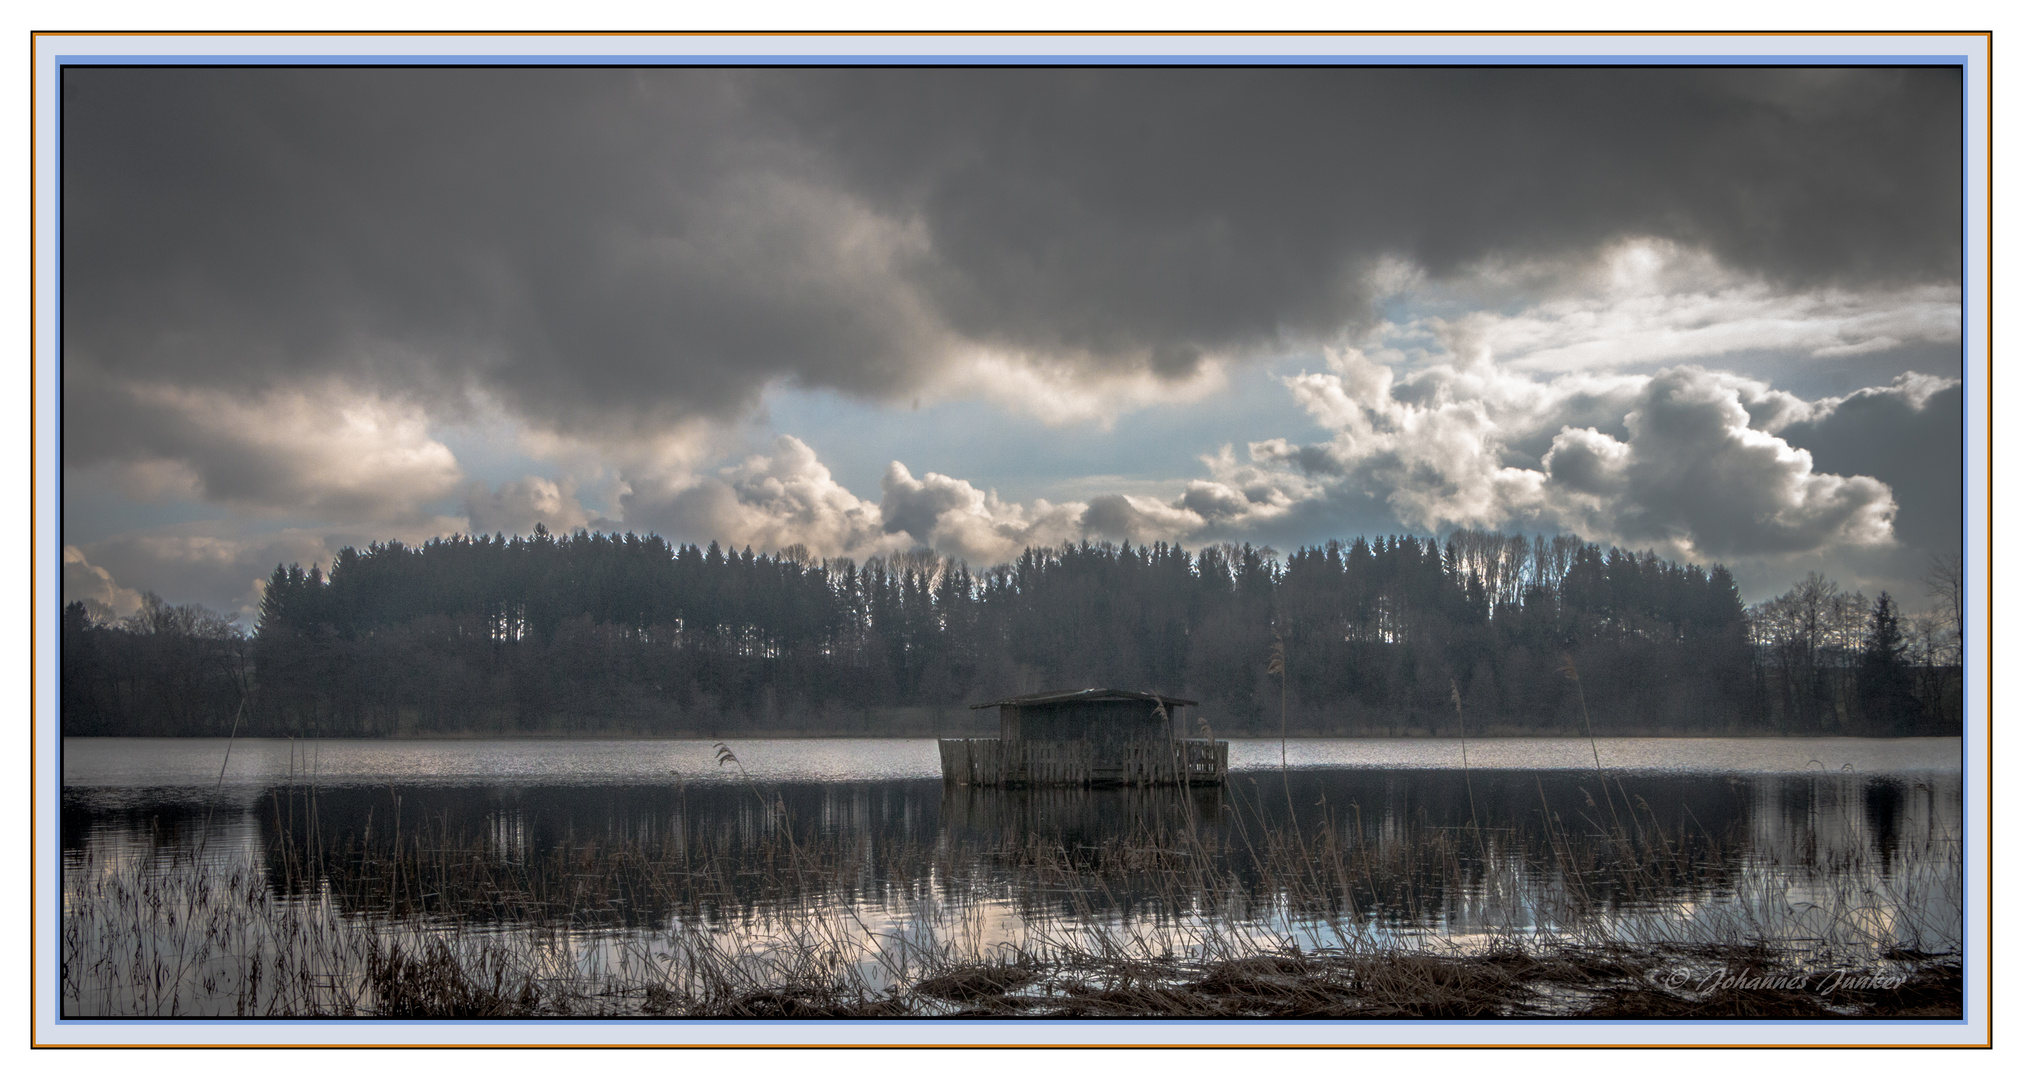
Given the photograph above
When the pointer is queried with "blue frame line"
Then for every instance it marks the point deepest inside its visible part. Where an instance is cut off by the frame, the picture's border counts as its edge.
(60, 61)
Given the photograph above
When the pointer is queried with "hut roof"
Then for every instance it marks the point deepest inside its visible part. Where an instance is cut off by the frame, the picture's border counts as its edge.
(1062, 697)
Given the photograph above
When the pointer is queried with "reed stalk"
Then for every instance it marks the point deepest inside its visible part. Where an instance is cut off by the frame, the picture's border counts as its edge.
(1167, 914)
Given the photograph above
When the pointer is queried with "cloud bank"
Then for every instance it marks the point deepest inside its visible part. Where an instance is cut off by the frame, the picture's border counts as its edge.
(611, 250)
(283, 285)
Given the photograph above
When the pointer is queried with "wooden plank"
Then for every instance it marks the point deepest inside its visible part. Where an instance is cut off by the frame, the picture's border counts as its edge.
(1083, 762)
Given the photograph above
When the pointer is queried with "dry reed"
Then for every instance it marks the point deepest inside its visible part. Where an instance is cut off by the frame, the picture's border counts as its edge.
(1166, 917)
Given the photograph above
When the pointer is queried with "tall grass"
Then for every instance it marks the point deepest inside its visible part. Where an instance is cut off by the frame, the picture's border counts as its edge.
(1188, 909)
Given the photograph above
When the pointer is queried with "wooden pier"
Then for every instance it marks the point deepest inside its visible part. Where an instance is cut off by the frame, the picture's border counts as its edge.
(1085, 738)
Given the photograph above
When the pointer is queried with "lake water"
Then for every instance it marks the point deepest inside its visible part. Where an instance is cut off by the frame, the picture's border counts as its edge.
(1833, 843)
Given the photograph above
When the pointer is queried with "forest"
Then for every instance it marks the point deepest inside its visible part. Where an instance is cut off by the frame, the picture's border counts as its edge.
(1485, 634)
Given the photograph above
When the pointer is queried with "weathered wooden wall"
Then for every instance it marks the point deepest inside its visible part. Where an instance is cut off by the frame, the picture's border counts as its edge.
(1078, 762)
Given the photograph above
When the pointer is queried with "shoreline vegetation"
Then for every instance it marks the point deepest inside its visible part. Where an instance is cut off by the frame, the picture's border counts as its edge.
(1605, 912)
(1571, 912)
(598, 633)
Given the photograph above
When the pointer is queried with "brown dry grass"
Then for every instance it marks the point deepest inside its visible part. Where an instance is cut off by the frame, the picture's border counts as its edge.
(1256, 921)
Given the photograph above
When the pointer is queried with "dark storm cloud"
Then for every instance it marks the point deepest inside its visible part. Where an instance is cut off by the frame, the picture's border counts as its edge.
(1206, 207)
(1908, 435)
(604, 247)
(572, 241)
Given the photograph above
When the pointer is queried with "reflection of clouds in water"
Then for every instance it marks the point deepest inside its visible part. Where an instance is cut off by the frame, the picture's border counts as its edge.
(898, 871)
(509, 835)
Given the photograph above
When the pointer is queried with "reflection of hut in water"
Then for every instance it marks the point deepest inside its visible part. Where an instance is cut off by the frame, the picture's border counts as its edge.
(1087, 738)
(1075, 816)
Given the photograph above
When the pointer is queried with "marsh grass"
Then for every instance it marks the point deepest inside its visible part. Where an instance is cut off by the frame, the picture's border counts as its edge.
(1581, 910)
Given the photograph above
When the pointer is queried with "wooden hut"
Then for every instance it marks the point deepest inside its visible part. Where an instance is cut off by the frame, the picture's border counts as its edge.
(1086, 738)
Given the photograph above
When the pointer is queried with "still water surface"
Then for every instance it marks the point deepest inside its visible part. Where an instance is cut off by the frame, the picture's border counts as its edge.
(106, 766)
(1848, 842)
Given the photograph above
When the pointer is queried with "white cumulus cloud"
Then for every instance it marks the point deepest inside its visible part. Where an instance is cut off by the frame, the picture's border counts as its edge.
(327, 451)
(94, 587)
(958, 519)
(517, 506)
(1677, 459)
(768, 502)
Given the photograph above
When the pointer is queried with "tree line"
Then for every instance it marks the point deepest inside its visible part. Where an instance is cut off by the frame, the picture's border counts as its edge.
(1484, 633)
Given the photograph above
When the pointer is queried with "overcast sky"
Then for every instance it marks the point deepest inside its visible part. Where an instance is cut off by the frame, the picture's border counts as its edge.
(1710, 312)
